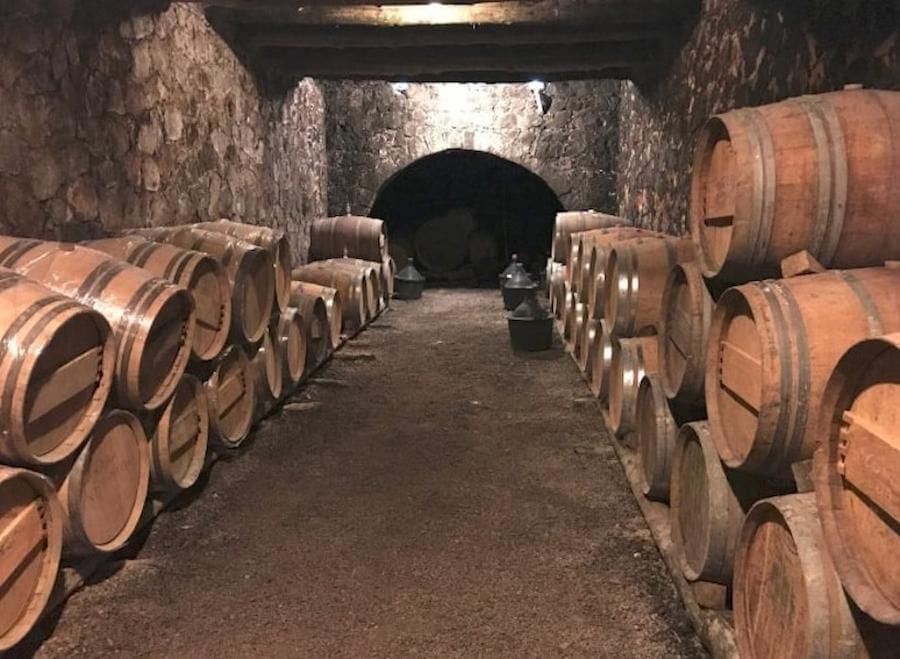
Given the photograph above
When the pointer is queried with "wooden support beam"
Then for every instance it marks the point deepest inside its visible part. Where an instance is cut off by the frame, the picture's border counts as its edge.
(453, 63)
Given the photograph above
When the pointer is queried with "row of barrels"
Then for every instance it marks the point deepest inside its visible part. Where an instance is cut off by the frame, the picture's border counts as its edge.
(124, 361)
(762, 410)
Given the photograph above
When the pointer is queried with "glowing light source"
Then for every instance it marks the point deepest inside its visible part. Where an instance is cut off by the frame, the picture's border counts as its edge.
(400, 87)
(536, 86)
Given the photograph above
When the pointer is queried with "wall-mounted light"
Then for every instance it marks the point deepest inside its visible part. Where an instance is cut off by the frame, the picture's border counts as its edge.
(400, 88)
(542, 99)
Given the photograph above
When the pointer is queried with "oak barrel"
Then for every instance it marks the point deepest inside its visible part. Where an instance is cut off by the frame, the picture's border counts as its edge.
(268, 376)
(708, 504)
(636, 274)
(601, 362)
(57, 360)
(202, 275)
(388, 270)
(104, 490)
(631, 360)
(315, 325)
(657, 423)
(592, 255)
(31, 524)
(788, 601)
(274, 241)
(371, 270)
(289, 335)
(684, 322)
(250, 274)
(590, 337)
(152, 319)
(230, 392)
(333, 302)
(772, 347)
(856, 472)
(352, 284)
(348, 235)
(180, 438)
(817, 173)
(571, 222)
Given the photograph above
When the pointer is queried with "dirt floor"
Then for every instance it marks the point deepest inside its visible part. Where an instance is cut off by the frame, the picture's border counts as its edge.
(451, 500)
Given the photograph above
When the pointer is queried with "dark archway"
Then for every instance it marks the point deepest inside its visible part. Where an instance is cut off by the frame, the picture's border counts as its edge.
(463, 213)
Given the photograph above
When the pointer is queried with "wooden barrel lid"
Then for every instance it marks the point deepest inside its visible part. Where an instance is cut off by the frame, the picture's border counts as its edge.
(856, 474)
(178, 446)
(30, 548)
(231, 396)
(212, 303)
(255, 292)
(283, 265)
(163, 347)
(273, 367)
(292, 345)
(105, 490)
(656, 429)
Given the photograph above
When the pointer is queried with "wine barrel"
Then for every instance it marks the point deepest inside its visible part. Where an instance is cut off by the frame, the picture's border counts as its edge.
(231, 395)
(855, 474)
(631, 360)
(289, 337)
(272, 240)
(601, 362)
(104, 490)
(203, 277)
(708, 503)
(349, 235)
(591, 258)
(687, 308)
(315, 325)
(576, 320)
(353, 286)
(250, 273)
(179, 438)
(657, 424)
(400, 249)
(589, 338)
(442, 242)
(57, 360)
(636, 273)
(815, 173)
(371, 270)
(772, 346)
(388, 270)
(268, 377)
(571, 222)
(152, 320)
(332, 300)
(31, 524)
(788, 601)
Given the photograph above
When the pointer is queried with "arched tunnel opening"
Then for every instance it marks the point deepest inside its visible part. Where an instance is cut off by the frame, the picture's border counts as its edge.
(462, 214)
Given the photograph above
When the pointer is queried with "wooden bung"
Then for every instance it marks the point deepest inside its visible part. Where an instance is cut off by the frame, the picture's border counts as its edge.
(202, 275)
(632, 359)
(687, 308)
(817, 173)
(334, 306)
(708, 504)
(636, 274)
(179, 438)
(230, 392)
(772, 346)
(268, 379)
(856, 471)
(601, 362)
(352, 284)
(356, 237)
(657, 424)
(103, 491)
(272, 240)
(315, 326)
(250, 274)
(152, 320)
(31, 523)
(788, 601)
(289, 335)
(57, 360)
(572, 222)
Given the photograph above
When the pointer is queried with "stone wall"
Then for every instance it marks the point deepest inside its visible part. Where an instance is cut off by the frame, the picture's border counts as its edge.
(743, 52)
(373, 131)
(112, 120)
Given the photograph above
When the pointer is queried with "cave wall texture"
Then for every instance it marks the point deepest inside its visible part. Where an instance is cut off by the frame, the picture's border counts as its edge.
(114, 118)
(743, 53)
(374, 131)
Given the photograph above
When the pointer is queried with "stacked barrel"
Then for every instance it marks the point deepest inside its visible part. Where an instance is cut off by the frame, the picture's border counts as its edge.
(124, 361)
(350, 274)
(753, 370)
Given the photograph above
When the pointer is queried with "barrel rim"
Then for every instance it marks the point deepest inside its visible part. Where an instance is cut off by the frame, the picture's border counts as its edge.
(653, 485)
(689, 432)
(217, 345)
(252, 262)
(160, 463)
(683, 387)
(232, 440)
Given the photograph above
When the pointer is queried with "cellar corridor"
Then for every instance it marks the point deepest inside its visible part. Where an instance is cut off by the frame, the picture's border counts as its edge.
(406, 516)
